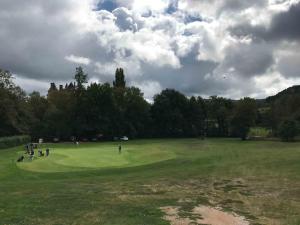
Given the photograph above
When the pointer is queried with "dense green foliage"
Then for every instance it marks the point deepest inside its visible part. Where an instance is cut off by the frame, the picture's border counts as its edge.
(14, 113)
(288, 130)
(8, 142)
(92, 111)
(258, 180)
(244, 117)
(259, 132)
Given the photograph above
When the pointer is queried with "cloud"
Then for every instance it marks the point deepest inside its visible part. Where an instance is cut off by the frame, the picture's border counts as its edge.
(78, 59)
(248, 59)
(184, 44)
(285, 25)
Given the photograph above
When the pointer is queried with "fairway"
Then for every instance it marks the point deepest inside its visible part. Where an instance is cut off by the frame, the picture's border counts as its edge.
(153, 182)
(70, 157)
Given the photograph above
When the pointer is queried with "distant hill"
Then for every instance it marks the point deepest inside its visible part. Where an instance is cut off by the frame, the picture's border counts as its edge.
(294, 90)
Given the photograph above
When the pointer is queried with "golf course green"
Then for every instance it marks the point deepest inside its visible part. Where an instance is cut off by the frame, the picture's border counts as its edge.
(93, 184)
(68, 157)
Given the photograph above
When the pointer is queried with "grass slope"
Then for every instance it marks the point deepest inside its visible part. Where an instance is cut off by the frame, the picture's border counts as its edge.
(95, 185)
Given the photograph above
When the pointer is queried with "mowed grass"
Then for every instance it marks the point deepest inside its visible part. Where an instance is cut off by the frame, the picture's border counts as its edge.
(93, 184)
(68, 157)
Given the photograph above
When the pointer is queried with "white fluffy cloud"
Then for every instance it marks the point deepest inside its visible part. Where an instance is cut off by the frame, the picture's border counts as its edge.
(202, 47)
(78, 59)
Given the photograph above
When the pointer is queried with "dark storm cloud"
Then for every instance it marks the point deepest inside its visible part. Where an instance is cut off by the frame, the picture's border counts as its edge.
(249, 59)
(36, 36)
(286, 25)
(257, 32)
(283, 26)
(29, 43)
(189, 79)
(289, 65)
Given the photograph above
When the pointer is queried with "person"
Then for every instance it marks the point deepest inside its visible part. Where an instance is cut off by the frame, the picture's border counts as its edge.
(20, 159)
(31, 154)
(47, 152)
(41, 153)
(27, 149)
(120, 149)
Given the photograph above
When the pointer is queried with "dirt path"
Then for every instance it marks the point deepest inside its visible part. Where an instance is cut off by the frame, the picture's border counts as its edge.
(202, 215)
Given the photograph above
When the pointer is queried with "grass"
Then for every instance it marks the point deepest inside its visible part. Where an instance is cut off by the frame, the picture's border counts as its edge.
(93, 184)
(66, 157)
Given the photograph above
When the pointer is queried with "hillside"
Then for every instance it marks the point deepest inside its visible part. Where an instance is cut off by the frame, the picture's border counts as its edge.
(294, 90)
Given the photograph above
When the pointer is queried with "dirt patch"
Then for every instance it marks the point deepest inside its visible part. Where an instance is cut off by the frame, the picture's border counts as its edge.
(173, 217)
(202, 215)
(217, 217)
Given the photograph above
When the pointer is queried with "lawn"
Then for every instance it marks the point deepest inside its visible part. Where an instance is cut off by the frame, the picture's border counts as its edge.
(93, 184)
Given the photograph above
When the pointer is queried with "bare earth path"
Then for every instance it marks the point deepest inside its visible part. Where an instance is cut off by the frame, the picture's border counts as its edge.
(202, 215)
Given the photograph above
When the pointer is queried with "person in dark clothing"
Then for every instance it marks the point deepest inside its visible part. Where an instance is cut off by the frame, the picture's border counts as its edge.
(47, 152)
(31, 154)
(120, 149)
(20, 159)
(41, 153)
(27, 149)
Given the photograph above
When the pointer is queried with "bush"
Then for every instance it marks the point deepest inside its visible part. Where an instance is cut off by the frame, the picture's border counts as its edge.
(8, 142)
(288, 130)
(259, 132)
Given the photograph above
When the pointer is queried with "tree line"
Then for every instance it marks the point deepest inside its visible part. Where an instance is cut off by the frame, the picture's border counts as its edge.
(78, 110)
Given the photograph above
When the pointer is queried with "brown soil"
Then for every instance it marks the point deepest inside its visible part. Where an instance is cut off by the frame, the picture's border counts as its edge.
(202, 215)
(217, 217)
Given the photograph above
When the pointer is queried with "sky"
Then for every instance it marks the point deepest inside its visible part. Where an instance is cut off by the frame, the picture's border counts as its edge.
(229, 48)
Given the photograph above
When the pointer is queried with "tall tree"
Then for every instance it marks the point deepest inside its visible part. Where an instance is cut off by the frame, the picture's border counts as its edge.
(196, 115)
(80, 77)
(244, 117)
(169, 112)
(119, 79)
(137, 113)
(218, 114)
(14, 115)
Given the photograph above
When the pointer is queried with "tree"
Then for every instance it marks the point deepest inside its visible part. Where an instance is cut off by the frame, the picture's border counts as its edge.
(196, 115)
(119, 79)
(52, 87)
(244, 116)
(169, 113)
(80, 77)
(6, 80)
(100, 110)
(288, 130)
(137, 113)
(218, 116)
(37, 106)
(14, 115)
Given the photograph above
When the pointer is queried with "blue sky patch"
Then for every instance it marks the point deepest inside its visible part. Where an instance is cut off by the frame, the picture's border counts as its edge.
(173, 7)
(191, 18)
(108, 5)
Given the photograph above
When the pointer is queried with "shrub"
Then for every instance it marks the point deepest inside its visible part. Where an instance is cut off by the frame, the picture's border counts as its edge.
(8, 142)
(288, 130)
(259, 132)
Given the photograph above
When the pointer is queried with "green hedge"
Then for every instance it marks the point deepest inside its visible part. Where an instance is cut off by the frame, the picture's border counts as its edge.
(259, 132)
(8, 142)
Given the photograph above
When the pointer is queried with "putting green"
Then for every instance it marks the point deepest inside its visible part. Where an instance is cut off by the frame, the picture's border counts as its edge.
(68, 157)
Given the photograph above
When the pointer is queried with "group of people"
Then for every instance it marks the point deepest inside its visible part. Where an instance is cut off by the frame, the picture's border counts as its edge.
(29, 150)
